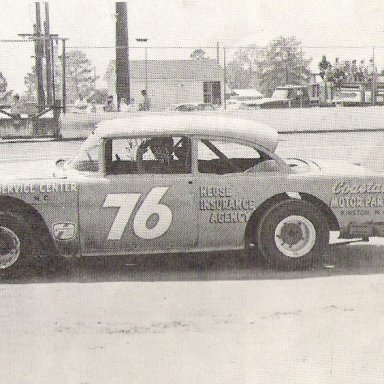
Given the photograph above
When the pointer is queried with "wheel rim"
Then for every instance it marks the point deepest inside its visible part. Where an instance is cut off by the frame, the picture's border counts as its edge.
(295, 236)
(9, 247)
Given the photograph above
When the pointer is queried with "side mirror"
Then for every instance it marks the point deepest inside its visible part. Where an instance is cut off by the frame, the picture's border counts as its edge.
(60, 163)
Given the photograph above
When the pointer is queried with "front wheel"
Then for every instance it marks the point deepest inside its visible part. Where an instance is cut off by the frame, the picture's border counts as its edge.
(292, 235)
(15, 242)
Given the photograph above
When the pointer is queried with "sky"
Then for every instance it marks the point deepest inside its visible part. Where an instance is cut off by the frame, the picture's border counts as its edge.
(327, 24)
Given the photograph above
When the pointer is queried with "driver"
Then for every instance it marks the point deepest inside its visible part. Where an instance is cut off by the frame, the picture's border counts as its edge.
(161, 148)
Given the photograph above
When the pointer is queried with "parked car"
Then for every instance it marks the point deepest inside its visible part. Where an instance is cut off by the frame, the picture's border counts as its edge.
(185, 184)
(288, 96)
(240, 98)
(191, 107)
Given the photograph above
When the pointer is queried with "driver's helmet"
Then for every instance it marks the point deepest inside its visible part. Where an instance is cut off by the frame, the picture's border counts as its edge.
(162, 148)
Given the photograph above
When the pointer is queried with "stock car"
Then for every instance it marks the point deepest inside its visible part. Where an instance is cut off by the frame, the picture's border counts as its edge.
(161, 184)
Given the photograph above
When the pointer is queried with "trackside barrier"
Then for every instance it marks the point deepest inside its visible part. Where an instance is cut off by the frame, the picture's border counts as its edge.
(45, 123)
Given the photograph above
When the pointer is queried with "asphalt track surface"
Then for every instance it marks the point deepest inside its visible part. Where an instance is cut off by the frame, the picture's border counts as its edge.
(365, 148)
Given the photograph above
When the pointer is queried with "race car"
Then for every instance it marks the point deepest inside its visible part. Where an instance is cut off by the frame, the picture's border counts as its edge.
(162, 184)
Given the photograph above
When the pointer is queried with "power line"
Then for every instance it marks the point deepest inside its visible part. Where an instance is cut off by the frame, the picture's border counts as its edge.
(191, 46)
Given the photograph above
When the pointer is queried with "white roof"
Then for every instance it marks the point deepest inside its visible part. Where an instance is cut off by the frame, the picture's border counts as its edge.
(218, 127)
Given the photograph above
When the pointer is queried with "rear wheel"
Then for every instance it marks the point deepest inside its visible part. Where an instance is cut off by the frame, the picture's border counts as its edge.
(292, 235)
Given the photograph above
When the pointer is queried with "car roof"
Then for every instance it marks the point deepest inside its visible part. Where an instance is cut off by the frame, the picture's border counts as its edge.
(217, 127)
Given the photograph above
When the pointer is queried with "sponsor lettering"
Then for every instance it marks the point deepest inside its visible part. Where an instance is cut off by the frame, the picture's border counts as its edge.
(211, 191)
(344, 187)
(229, 217)
(357, 201)
(224, 207)
(8, 189)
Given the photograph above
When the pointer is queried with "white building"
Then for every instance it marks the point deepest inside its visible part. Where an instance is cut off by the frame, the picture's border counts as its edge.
(172, 81)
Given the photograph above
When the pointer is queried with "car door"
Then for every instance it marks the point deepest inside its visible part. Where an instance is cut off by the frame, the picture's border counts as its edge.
(233, 179)
(143, 203)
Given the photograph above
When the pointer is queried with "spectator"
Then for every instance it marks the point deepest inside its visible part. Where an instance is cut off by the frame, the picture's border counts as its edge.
(123, 105)
(146, 104)
(363, 71)
(354, 71)
(347, 71)
(329, 73)
(93, 108)
(81, 104)
(372, 70)
(109, 106)
(131, 107)
(338, 73)
(323, 66)
(16, 107)
(3, 83)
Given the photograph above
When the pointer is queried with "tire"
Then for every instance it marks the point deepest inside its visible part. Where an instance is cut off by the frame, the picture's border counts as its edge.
(292, 235)
(15, 243)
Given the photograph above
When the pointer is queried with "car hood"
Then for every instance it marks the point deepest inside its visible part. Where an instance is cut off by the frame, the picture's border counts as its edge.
(30, 170)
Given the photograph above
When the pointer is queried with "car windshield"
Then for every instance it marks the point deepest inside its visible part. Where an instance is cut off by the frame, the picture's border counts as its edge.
(280, 94)
(87, 158)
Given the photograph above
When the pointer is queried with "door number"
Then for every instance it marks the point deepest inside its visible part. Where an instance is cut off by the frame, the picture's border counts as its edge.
(126, 202)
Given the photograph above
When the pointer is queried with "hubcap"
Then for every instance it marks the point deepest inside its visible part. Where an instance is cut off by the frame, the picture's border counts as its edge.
(9, 247)
(295, 236)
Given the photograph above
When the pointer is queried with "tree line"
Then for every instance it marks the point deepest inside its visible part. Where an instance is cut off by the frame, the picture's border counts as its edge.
(264, 68)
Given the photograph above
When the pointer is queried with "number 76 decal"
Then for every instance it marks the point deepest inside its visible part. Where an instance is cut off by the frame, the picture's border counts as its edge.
(126, 202)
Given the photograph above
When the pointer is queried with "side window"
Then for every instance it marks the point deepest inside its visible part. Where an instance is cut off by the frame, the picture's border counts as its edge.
(220, 157)
(153, 155)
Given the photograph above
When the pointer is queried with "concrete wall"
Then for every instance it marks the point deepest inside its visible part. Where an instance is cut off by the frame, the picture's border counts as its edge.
(283, 120)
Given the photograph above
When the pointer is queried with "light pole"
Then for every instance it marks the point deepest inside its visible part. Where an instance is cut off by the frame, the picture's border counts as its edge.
(145, 40)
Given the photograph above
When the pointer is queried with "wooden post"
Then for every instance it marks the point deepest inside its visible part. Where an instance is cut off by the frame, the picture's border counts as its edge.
(122, 54)
(48, 56)
(39, 51)
(64, 79)
(56, 120)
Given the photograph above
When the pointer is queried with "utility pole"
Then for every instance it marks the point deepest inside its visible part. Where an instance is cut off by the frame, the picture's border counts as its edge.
(122, 54)
(44, 43)
(63, 72)
(301, 78)
(225, 77)
(39, 53)
(218, 53)
(48, 56)
(373, 91)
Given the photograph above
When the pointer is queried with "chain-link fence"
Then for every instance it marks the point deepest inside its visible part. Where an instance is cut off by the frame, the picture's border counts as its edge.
(187, 75)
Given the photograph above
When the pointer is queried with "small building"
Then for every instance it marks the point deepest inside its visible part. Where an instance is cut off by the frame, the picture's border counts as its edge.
(172, 81)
